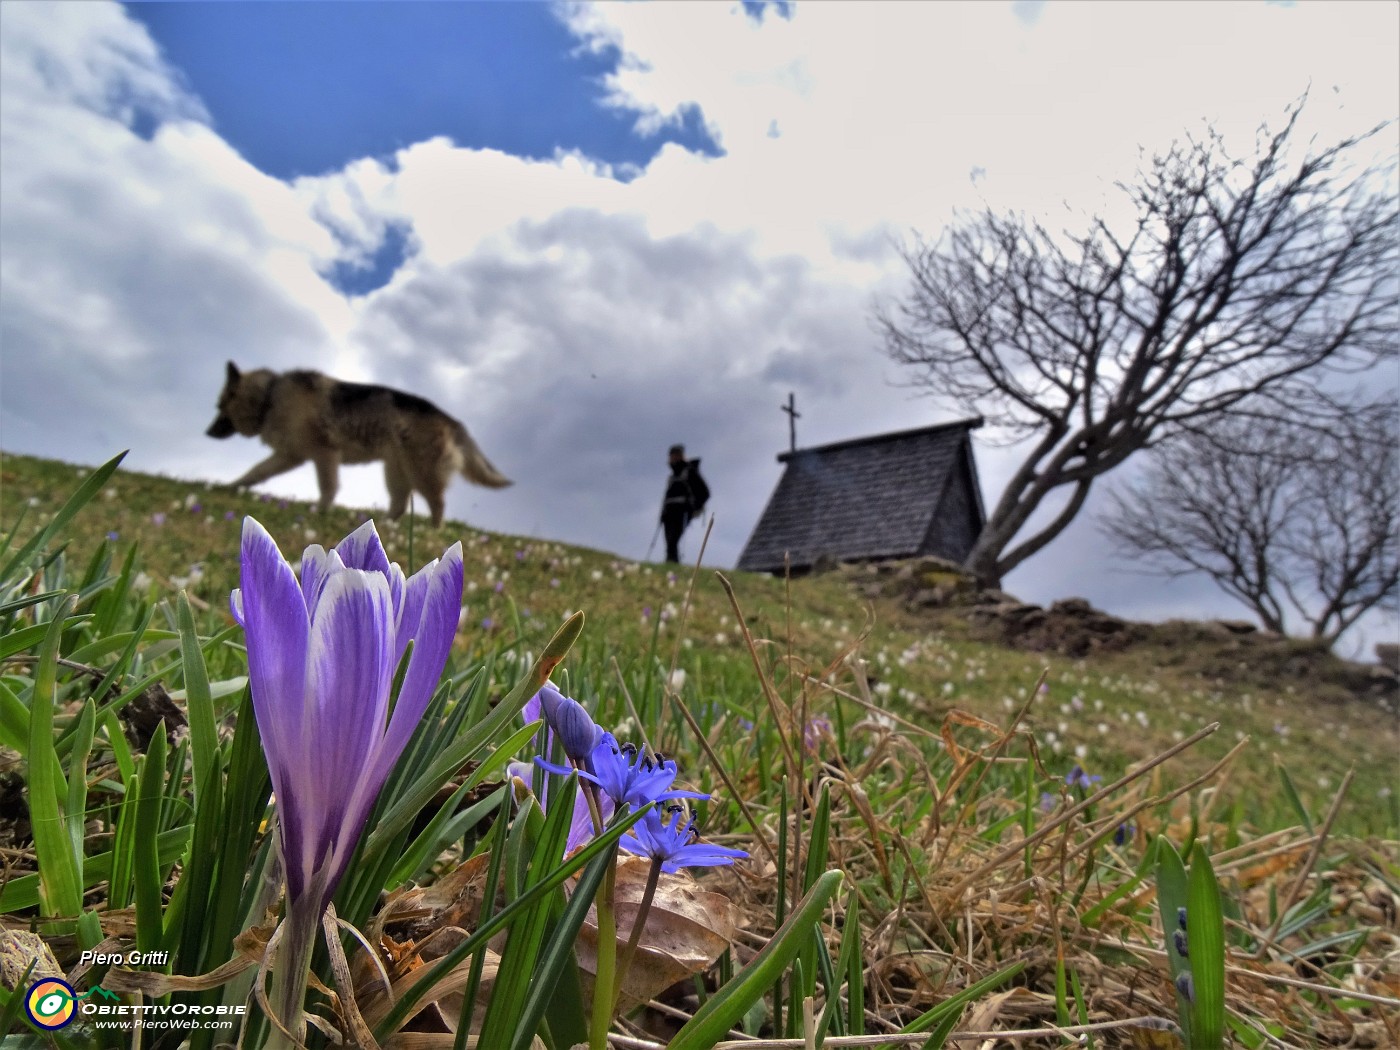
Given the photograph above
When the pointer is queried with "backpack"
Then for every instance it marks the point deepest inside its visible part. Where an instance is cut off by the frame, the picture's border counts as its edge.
(699, 491)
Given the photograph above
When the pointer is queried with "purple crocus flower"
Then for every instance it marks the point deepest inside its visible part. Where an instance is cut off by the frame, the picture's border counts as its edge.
(322, 655)
(673, 842)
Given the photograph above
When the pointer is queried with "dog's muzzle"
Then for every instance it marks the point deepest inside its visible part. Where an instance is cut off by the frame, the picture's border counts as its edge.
(222, 427)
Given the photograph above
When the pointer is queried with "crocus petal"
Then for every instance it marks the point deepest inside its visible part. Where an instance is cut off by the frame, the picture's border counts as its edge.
(349, 673)
(348, 676)
(432, 641)
(313, 573)
(362, 549)
(277, 628)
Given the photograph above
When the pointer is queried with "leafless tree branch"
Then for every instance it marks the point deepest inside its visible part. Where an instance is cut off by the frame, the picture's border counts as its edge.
(1237, 281)
(1294, 521)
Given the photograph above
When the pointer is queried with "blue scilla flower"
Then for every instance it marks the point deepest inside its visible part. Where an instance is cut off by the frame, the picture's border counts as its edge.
(1076, 777)
(628, 776)
(566, 719)
(672, 840)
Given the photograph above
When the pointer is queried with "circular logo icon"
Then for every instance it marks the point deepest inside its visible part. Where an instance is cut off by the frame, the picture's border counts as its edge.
(50, 1003)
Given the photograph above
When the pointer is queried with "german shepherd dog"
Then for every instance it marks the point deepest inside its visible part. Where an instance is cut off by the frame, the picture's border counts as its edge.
(307, 415)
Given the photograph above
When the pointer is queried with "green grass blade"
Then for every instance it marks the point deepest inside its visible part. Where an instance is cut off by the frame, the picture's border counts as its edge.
(723, 1009)
(1171, 900)
(75, 808)
(22, 639)
(445, 826)
(1290, 793)
(199, 706)
(14, 721)
(22, 892)
(952, 1007)
(60, 876)
(558, 954)
(146, 864)
(1205, 939)
(451, 758)
(488, 928)
(525, 939)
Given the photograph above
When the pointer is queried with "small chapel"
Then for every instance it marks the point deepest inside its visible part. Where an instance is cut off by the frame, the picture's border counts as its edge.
(900, 495)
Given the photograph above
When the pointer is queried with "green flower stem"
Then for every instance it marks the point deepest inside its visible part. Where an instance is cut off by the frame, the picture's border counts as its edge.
(638, 925)
(289, 976)
(605, 981)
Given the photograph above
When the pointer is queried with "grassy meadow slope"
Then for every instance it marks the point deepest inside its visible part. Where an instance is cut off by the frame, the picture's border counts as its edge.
(1002, 820)
(1103, 713)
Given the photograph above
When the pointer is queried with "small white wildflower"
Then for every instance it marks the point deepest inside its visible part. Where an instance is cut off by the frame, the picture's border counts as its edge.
(1103, 728)
(677, 680)
(883, 688)
(141, 582)
(1081, 751)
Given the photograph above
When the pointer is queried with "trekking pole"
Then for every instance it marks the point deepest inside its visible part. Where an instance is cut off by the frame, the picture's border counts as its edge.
(654, 537)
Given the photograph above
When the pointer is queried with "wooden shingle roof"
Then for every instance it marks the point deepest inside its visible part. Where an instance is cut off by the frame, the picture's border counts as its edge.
(896, 495)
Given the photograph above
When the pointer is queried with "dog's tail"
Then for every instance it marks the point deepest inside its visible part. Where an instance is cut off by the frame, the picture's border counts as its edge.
(473, 465)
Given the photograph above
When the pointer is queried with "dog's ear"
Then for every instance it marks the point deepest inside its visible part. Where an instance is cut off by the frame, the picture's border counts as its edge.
(233, 373)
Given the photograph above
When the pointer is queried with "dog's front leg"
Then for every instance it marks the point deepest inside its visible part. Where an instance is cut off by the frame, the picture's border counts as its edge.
(277, 463)
(328, 477)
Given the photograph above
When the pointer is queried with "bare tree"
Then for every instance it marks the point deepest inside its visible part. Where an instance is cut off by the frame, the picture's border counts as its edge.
(1286, 517)
(1234, 279)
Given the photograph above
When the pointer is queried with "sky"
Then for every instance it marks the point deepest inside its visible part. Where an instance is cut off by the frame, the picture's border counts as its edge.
(587, 231)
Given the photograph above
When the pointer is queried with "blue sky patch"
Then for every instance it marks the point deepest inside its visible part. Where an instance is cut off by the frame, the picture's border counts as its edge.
(361, 278)
(304, 88)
